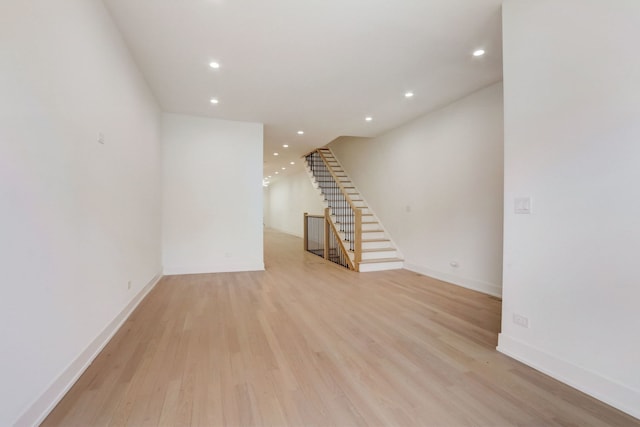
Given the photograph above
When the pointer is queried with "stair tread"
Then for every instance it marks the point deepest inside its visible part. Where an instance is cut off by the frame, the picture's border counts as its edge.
(375, 240)
(380, 260)
(372, 231)
(379, 249)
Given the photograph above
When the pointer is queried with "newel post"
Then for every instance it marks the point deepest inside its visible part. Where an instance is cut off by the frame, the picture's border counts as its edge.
(358, 239)
(305, 240)
(326, 233)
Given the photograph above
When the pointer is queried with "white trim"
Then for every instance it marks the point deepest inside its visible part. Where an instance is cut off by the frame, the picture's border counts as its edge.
(476, 285)
(214, 268)
(607, 390)
(43, 405)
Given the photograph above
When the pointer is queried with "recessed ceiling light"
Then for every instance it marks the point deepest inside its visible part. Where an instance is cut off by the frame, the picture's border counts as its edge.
(214, 65)
(276, 154)
(368, 118)
(300, 132)
(269, 176)
(408, 94)
(277, 172)
(285, 145)
(283, 168)
(292, 163)
(479, 52)
(214, 101)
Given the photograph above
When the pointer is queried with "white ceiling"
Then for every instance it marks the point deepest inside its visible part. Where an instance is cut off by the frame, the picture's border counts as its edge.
(315, 65)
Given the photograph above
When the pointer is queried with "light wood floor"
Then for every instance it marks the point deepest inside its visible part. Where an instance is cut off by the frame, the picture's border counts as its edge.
(310, 344)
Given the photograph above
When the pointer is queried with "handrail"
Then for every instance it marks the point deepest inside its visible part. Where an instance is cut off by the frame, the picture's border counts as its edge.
(304, 156)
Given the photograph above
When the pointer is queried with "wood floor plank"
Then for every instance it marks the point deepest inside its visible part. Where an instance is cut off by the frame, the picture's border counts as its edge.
(307, 343)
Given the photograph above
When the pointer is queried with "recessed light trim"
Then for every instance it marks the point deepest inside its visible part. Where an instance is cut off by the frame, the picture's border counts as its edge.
(283, 168)
(285, 145)
(368, 118)
(276, 154)
(300, 132)
(408, 94)
(292, 163)
(214, 101)
(277, 172)
(214, 65)
(479, 52)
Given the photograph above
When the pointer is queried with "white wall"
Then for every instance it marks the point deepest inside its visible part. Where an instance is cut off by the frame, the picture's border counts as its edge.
(266, 207)
(78, 219)
(436, 185)
(289, 198)
(212, 195)
(572, 128)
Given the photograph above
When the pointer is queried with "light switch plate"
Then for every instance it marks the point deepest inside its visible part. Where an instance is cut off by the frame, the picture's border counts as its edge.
(522, 205)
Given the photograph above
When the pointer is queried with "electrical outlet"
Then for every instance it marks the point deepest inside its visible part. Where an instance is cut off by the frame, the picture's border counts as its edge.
(129, 285)
(521, 320)
(522, 205)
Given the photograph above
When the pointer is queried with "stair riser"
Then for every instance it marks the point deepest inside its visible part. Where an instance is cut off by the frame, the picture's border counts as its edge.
(381, 266)
(365, 227)
(380, 255)
(373, 235)
(376, 245)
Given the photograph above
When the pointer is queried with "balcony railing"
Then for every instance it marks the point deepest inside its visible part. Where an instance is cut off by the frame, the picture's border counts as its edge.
(322, 238)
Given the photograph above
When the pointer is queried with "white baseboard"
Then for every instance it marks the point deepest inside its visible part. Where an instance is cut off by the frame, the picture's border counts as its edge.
(608, 391)
(43, 405)
(476, 285)
(230, 267)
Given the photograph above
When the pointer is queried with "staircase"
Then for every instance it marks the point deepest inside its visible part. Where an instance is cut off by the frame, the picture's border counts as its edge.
(367, 244)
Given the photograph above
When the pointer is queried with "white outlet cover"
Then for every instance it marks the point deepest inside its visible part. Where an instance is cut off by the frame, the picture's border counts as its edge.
(521, 320)
(522, 205)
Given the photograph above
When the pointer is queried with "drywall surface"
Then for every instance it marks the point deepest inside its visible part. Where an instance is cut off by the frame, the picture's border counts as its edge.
(79, 219)
(266, 208)
(212, 195)
(572, 126)
(436, 185)
(289, 198)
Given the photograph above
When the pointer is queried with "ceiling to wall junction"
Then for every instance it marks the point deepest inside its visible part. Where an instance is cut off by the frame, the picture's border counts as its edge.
(314, 66)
